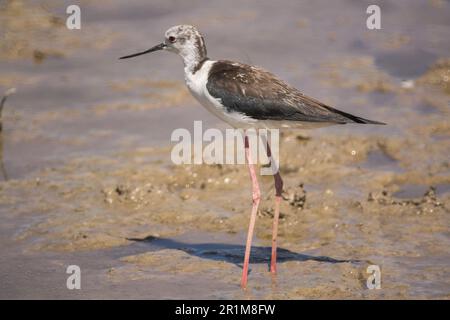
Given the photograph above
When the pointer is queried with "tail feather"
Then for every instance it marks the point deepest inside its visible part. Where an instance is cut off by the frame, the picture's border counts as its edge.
(367, 121)
(354, 119)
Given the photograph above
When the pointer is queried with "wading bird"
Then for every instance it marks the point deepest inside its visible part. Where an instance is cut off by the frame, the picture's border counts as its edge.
(247, 97)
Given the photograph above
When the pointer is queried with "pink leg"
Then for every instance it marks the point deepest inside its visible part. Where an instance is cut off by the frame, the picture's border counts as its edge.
(278, 191)
(256, 196)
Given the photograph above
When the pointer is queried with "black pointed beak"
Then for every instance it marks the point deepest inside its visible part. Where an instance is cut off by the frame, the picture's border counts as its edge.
(160, 46)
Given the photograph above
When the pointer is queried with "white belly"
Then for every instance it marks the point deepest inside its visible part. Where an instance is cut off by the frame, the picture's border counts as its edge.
(197, 86)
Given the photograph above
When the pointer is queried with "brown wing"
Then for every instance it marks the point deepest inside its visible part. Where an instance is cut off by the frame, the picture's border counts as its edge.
(260, 95)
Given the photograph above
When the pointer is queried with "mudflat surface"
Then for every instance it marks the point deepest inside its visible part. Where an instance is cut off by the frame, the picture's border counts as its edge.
(88, 180)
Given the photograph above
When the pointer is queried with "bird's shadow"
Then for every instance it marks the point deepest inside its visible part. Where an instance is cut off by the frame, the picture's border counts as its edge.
(230, 253)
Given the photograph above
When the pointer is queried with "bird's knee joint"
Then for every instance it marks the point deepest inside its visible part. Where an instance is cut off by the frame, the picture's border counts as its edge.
(256, 197)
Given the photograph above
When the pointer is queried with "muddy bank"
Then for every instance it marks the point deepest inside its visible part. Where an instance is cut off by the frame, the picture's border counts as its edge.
(335, 205)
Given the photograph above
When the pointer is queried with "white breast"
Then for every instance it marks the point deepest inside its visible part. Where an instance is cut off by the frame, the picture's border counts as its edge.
(196, 82)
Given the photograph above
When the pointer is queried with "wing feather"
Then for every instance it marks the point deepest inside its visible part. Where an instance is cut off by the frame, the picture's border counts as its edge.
(258, 94)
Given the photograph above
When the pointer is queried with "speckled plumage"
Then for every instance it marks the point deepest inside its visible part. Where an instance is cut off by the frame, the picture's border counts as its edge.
(248, 96)
(242, 95)
(258, 94)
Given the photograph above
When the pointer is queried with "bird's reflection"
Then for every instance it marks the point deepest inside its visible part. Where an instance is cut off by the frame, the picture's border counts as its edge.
(231, 253)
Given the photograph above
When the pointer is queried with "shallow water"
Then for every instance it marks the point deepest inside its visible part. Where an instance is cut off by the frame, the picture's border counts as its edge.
(86, 151)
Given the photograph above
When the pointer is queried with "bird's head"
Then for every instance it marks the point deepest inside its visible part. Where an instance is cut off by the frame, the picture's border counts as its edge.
(184, 40)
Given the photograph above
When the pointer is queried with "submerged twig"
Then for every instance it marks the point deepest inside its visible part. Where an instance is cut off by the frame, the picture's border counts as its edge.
(2, 104)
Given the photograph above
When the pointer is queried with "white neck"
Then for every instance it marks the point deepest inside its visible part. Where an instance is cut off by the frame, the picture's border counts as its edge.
(192, 56)
(191, 63)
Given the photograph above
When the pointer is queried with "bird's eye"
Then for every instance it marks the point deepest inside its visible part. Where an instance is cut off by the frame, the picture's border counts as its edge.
(172, 39)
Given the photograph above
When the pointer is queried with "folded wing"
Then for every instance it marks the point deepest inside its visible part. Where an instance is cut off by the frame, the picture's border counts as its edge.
(258, 94)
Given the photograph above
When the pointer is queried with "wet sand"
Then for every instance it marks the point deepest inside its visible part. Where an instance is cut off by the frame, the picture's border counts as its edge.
(89, 181)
